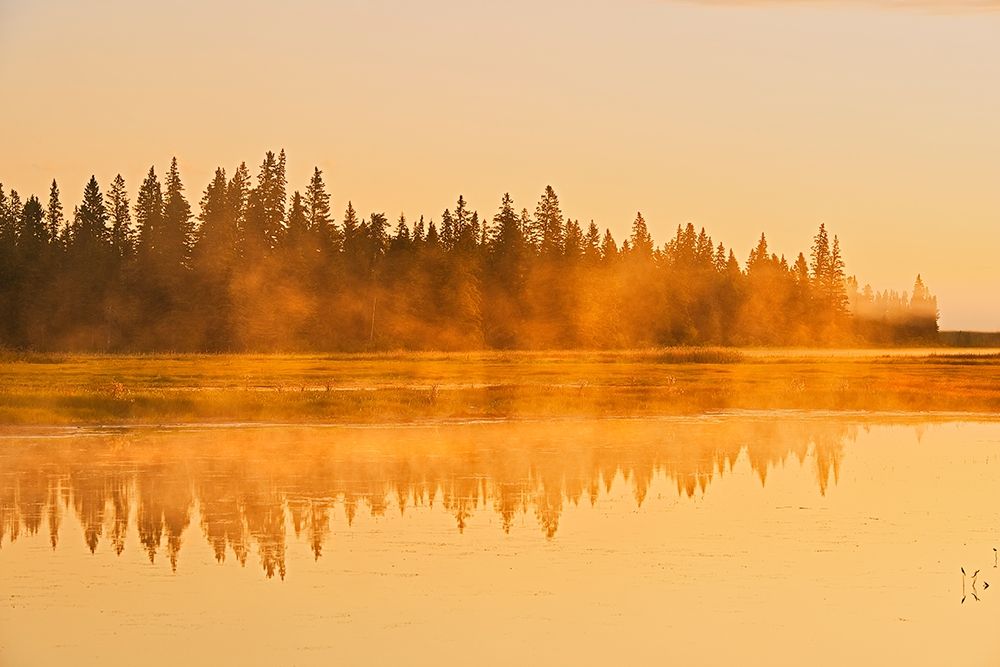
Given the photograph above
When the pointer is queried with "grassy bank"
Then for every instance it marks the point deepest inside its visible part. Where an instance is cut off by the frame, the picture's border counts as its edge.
(95, 389)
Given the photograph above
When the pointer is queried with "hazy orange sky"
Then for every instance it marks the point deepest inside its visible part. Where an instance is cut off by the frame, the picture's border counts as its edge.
(879, 118)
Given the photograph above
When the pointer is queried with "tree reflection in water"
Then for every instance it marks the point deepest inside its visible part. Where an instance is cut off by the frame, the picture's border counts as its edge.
(249, 483)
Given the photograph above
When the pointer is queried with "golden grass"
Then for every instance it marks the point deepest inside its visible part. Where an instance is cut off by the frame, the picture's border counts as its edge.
(401, 387)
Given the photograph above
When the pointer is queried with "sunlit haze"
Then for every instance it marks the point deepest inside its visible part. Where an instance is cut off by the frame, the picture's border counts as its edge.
(880, 119)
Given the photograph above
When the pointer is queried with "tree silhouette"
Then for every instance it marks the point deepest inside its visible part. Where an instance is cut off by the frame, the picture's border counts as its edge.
(254, 270)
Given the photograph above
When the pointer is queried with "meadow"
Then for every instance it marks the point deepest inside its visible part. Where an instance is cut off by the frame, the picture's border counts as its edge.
(54, 389)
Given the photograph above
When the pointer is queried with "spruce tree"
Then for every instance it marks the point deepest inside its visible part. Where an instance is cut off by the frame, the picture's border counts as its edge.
(298, 234)
(549, 223)
(836, 283)
(149, 217)
(507, 228)
(178, 224)
(592, 243)
(573, 242)
(91, 225)
(641, 241)
(462, 222)
(34, 235)
(350, 229)
(419, 230)
(215, 251)
(801, 270)
(317, 202)
(266, 209)
(237, 201)
(719, 259)
(122, 238)
(54, 218)
(10, 216)
(609, 249)
(820, 255)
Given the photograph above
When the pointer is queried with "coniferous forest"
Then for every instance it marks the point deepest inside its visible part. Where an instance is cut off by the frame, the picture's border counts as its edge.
(259, 269)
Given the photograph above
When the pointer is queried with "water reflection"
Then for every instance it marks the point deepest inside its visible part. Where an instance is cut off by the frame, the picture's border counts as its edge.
(246, 487)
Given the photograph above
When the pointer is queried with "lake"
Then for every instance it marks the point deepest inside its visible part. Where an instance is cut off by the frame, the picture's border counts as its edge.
(782, 538)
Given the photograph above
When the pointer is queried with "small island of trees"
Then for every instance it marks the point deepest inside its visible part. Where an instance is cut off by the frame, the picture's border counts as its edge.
(259, 270)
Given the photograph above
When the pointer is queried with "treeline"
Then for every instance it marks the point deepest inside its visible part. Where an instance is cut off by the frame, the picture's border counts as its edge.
(257, 269)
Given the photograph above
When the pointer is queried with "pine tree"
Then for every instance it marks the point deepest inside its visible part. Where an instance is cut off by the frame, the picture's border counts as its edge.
(299, 231)
(462, 222)
(8, 230)
(91, 229)
(433, 238)
(449, 236)
(122, 237)
(34, 235)
(837, 286)
(482, 230)
(609, 250)
(54, 219)
(350, 229)
(719, 261)
(573, 243)
(215, 251)
(549, 223)
(419, 230)
(401, 239)
(149, 217)
(317, 203)
(801, 270)
(759, 257)
(641, 241)
(177, 221)
(923, 310)
(237, 202)
(528, 231)
(266, 209)
(507, 227)
(10, 216)
(592, 243)
(703, 249)
(820, 255)
(378, 234)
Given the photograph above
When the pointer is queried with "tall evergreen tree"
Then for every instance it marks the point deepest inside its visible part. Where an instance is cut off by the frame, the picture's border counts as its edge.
(34, 235)
(573, 242)
(592, 243)
(299, 235)
(508, 234)
(549, 223)
(351, 231)
(122, 237)
(609, 249)
(218, 239)
(54, 218)
(10, 218)
(266, 209)
(317, 203)
(177, 220)
(641, 241)
(836, 282)
(149, 217)
(91, 224)
(237, 202)
(820, 255)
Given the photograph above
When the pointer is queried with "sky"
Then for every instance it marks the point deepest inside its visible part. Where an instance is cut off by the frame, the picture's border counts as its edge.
(879, 118)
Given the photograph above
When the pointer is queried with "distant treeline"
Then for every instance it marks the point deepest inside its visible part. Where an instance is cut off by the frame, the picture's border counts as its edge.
(970, 338)
(258, 270)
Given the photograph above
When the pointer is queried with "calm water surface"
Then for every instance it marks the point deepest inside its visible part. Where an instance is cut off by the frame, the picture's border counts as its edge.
(779, 539)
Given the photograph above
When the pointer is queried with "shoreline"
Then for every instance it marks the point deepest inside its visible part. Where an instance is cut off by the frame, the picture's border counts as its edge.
(81, 390)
